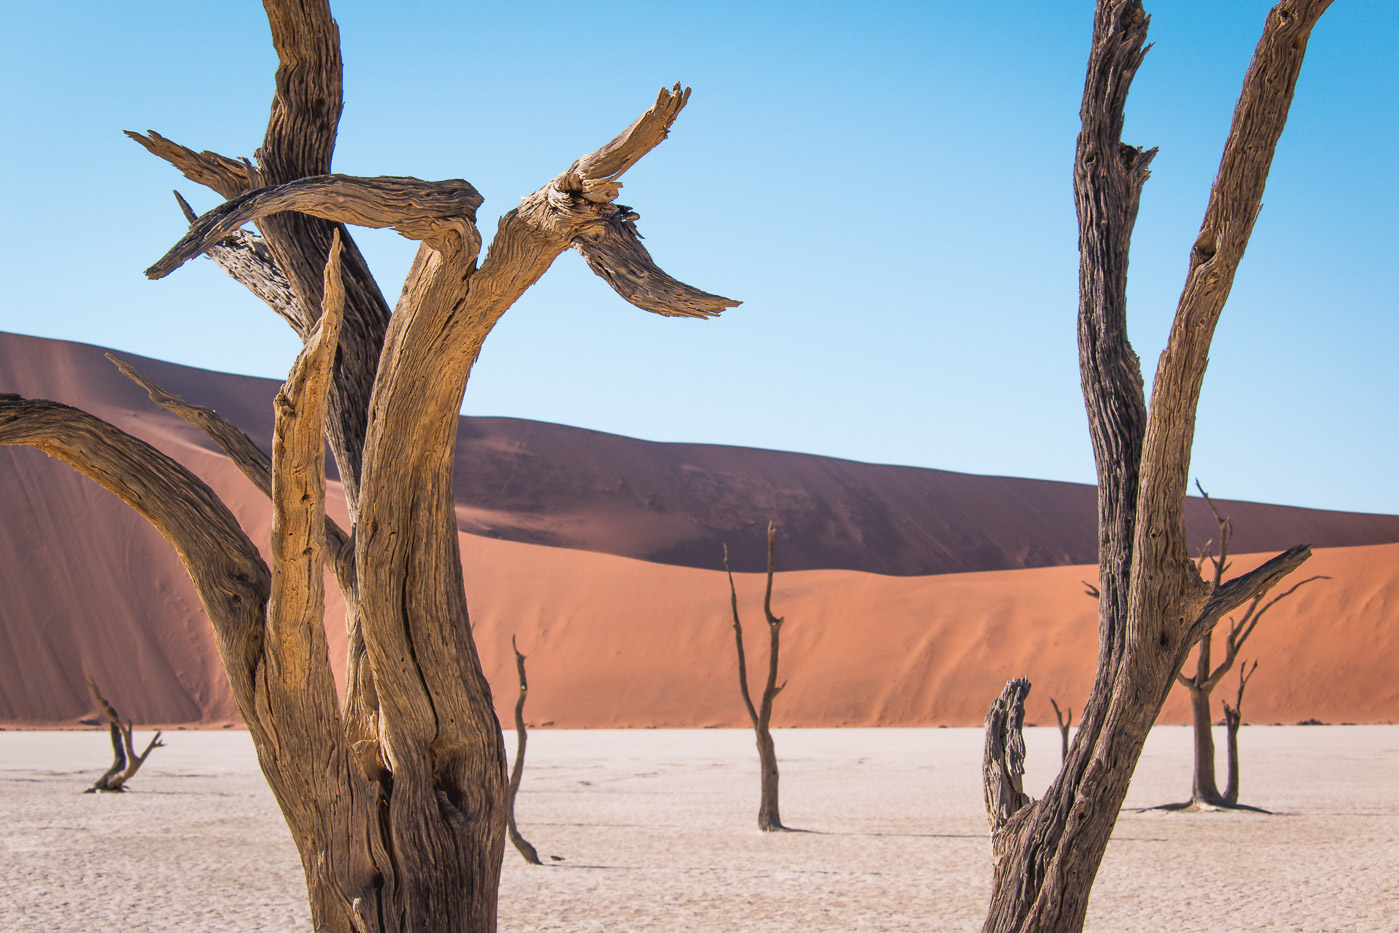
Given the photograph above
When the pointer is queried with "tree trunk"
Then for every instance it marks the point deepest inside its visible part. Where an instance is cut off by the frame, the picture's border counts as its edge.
(769, 815)
(1203, 788)
(1231, 730)
(1153, 605)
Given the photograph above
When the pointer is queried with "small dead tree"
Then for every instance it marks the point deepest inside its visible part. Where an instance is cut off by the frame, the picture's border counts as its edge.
(125, 761)
(394, 795)
(1065, 720)
(1204, 791)
(1153, 605)
(769, 817)
(1232, 721)
(517, 770)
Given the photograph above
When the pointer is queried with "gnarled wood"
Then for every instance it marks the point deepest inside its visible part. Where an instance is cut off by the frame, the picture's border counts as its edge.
(229, 177)
(247, 259)
(1153, 605)
(419, 210)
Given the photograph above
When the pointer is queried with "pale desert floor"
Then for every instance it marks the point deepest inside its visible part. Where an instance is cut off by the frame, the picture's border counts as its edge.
(656, 832)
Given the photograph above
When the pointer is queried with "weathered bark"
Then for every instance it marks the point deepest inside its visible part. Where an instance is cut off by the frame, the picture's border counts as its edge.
(1065, 720)
(125, 761)
(395, 799)
(1153, 605)
(769, 813)
(1233, 718)
(517, 770)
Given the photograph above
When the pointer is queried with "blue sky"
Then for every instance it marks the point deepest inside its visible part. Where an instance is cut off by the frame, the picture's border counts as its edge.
(886, 186)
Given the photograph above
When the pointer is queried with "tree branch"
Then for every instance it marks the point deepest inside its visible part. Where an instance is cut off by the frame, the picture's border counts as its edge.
(296, 607)
(1259, 118)
(247, 259)
(1108, 180)
(429, 211)
(229, 177)
(1245, 587)
(245, 454)
(228, 573)
(738, 639)
(576, 210)
(770, 690)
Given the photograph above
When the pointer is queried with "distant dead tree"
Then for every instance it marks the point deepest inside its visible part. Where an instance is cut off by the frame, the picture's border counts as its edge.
(1204, 791)
(1153, 606)
(1065, 720)
(1232, 721)
(517, 770)
(125, 761)
(769, 819)
(394, 794)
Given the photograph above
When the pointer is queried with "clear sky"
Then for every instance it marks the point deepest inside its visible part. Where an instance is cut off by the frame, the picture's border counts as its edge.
(885, 185)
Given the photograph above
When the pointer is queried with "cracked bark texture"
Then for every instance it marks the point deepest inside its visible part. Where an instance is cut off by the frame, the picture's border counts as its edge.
(1153, 604)
(769, 812)
(396, 795)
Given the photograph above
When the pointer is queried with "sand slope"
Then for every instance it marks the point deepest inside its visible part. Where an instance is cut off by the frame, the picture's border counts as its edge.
(679, 503)
(616, 641)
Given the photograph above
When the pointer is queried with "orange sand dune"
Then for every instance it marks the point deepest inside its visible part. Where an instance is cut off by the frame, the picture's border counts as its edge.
(679, 503)
(615, 641)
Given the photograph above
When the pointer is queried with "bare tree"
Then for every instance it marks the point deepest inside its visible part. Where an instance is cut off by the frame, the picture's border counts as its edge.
(1154, 606)
(769, 817)
(1065, 720)
(1203, 790)
(395, 798)
(1232, 721)
(125, 761)
(517, 770)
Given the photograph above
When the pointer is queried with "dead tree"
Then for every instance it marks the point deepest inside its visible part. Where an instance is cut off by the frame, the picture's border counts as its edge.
(769, 817)
(125, 761)
(1154, 606)
(1232, 721)
(1065, 720)
(396, 797)
(517, 770)
(1204, 791)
